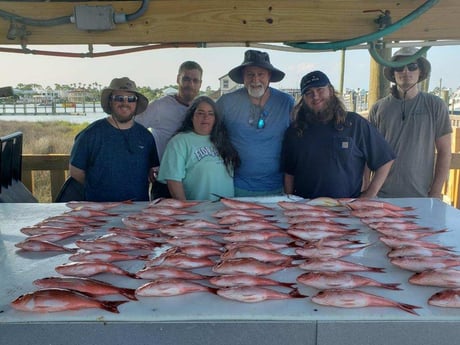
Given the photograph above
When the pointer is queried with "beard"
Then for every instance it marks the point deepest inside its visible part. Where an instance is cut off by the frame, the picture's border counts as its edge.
(122, 118)
(256, 92)
(322, 116)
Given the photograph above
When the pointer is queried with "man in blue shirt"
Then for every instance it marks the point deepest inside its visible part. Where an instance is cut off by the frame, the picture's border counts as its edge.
(114, 157)
(256, 117)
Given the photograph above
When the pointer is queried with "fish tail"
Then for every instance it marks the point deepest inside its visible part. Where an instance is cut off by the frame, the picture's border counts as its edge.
(408, 308)
(129, 293)
(112, 306)
(377, 269)
(391, 286)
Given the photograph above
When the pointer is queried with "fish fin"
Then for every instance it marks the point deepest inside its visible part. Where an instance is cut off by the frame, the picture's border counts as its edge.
(112, 306)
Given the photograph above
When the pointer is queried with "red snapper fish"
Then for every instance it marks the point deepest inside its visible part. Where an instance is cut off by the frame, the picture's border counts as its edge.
(158, 272)
(328, 252)
(420, 264)
(248, 266)
(96, 206)
(406, 234)
(260, 254)
(448, 278)
(394, 242)
(255, 225)
(253, 294)
(408, 251)
(179, 231)
(90, 287)
(342, 280)
(237, 212)
(105, 256)
(236, 219)
(312, 235)
(88, 269)
(54, 237)
(358, 204)
(261, 235)
(181, 260)
(379, 212)
(200, 251)
(170, 287)
(243, 205)
(446, 298)
(336, 265)
(401, 226)
(234, 280)
(172, 203)
(32, 245)
(166, 211)
(349, 298)
(56, 300)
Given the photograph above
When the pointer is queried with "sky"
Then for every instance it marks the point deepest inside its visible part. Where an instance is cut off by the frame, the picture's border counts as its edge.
(158, 68)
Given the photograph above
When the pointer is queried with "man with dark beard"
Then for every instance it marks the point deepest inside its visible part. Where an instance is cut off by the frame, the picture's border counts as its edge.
(113, 158)
(326, 148)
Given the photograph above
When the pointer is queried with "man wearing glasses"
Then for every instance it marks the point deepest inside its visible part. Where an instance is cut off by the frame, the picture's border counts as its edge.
(164, 116)
(417, 125)
(113, 158)
(256, 117)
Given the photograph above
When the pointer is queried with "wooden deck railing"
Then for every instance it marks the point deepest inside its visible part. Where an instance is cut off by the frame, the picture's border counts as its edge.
(58, 164)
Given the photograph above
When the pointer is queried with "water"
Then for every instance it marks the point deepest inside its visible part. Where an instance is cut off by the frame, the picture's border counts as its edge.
(33, 113)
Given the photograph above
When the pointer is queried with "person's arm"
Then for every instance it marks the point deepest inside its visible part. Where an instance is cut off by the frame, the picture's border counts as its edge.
(442, 166)
(377, 181)
(176, 189)
(366, 178)
(77, 174)
(288, 184)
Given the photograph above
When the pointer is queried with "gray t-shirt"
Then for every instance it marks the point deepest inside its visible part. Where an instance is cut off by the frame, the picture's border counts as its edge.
(411, 127)
(163, 117)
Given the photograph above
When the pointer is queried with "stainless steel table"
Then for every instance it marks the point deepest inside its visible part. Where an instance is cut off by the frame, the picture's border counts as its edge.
(205, 318)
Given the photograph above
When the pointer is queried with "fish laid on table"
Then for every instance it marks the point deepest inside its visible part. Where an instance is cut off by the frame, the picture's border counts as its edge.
(422, 263)
(350, 298)
(342, 280)
(201, 251)
(448, 278)
(108, 256)
(96, 206)
(55, 237)
(260, 235)
(336, 265)
(199, 223)
(401, 226)
(90, 287)
(73, 219)
(237, 212)
(301, 206)
(330, 242)
(140, 224)
(170, 287)
(88, 269)
(328, 252)
(379, 212)
(311, 235)
(136, 233)
(358, 204)
(394, 242)
(408, 251)
(253, 294)
(180, 231)
(32, 245)
(320, 226)
(192, 241)
(243, 205)
(255, 225)
(167, 211)
(248, 266)
(406, 234)
(260, 244)
(387, 220)
(446, 299)
(303, 218)
(159, 272)
(56, 300)
(109, 246)
(236, 219)
(313, 213)
(234, 280)
(245, 251)
(162, 202)
(87, 213)
(180, 260)
(50, 230)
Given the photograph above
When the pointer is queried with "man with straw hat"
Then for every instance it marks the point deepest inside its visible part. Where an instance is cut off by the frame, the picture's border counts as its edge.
(256, 117)
(417, 126)
(114, 157)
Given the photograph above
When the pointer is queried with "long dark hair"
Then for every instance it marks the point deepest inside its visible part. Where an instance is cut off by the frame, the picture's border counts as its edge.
(303, 115)
(219, 135)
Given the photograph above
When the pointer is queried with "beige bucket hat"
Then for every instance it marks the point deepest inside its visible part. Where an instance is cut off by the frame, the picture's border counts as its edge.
(123, 84)
(423, 64)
